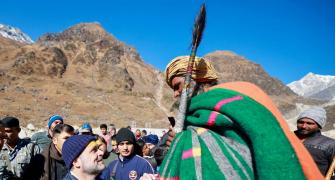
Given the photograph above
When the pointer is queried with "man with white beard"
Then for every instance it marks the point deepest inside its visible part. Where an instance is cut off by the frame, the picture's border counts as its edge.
(82, 157)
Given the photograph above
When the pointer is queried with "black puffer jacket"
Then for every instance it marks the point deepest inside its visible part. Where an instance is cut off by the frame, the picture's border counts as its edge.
(322, 149)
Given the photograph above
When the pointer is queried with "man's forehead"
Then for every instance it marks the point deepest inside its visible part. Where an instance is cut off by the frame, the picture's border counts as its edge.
(10, 128)
(177, 79)
(305, 119)
(57, 121)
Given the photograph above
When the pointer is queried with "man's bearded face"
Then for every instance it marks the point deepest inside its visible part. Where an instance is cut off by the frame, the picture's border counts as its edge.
(307, 126)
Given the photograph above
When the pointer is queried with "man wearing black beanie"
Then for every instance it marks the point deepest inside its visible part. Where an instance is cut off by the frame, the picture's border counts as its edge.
(128, 165)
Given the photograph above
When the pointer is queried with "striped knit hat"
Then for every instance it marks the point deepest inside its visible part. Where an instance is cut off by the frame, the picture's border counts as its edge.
(73, 147)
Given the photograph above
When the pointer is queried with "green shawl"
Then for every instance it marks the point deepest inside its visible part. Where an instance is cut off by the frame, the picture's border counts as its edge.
(230, 136)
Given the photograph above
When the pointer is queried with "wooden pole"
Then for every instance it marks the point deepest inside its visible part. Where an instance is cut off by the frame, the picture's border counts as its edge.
(331, 170)
(198, 29)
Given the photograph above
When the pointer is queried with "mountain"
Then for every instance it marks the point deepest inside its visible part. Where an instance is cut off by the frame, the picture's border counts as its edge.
(330, 117)
(85, 74)
(14, 34)
(327, 94)
(315, 86)
(232, 67)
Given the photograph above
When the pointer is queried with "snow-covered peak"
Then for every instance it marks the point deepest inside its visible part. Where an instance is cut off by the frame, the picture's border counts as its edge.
(312, 84)
(14, 34)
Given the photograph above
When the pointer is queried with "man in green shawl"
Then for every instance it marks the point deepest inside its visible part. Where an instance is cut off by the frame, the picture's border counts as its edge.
(229, 134)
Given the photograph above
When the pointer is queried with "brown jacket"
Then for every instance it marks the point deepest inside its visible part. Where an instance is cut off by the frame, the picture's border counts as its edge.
(47, 166)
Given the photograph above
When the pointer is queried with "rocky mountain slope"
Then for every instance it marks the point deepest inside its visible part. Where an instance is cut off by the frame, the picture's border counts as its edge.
(84, 74)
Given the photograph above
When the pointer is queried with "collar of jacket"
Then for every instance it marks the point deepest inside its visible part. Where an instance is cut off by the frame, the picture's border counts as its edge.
(317, 133)
(18, 145)
(54, 154)
(125, 160)
(314, 134)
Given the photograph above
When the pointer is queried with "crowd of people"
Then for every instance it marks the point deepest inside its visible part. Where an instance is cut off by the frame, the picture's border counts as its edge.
(67, 153)
(232, 131)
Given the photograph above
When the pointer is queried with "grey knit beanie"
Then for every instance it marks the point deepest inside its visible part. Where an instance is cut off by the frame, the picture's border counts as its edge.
(318, 114)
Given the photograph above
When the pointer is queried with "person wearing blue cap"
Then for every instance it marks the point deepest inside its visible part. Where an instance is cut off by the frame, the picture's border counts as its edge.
(149, 148)
(53, 121)
(83, 157)
(151, 140)
(86, 128)
(43, 139)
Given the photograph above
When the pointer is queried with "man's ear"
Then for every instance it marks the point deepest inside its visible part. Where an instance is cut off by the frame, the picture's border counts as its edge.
(19, 129)
(76, 163)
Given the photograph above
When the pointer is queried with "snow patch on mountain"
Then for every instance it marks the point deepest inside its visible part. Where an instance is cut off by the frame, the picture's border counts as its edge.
(312, 84)
(14, 34)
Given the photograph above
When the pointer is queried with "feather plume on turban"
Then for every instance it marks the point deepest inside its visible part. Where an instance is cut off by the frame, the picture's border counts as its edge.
(203, 71)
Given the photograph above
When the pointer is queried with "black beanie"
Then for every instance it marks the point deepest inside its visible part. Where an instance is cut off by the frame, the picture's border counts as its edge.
(124, 134)
(10, 122)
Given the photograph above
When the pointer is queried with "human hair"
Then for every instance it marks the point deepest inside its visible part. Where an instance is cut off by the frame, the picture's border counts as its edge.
(100, 138)
(113, 129)
(10, 122)
(200, 86)
(103, 126)
(59, 128)
(113, 138)
(140, 143)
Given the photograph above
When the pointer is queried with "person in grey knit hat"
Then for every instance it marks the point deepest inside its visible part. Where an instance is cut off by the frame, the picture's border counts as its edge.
(317, 114)
(322, 148)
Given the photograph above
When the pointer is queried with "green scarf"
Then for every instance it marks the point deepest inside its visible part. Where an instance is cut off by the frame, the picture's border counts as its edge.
(230, 136)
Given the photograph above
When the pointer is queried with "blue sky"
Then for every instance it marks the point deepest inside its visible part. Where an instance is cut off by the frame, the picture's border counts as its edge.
(288, 38)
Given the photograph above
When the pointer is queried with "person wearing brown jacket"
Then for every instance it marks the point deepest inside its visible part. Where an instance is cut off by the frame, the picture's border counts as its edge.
(49, 165)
